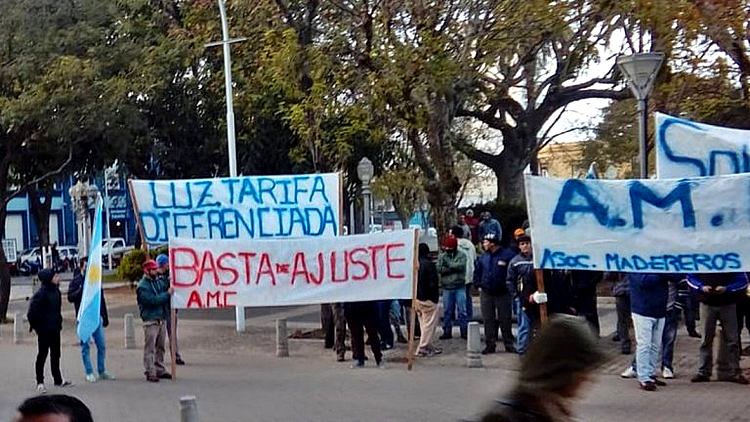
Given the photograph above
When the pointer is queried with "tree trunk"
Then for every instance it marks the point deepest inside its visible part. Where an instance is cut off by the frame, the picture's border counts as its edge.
(4, 272)
(510, 184)
(41, 212)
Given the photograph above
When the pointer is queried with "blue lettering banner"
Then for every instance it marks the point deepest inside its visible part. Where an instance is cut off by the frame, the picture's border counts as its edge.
(686, 149)
(305, 205)
(699, 224)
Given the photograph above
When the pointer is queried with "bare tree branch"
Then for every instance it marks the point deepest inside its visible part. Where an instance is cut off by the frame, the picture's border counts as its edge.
(41, 178)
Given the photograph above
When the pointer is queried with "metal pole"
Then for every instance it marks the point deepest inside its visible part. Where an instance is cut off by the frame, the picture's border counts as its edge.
(239, 311)
(106, 225)
(643, 137)
(366, 206)
(228, 86)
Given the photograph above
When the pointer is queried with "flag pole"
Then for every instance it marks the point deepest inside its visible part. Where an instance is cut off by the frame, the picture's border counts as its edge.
(413, 311)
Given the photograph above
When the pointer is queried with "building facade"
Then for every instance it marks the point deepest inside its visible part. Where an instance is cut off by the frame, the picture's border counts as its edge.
(21, 227)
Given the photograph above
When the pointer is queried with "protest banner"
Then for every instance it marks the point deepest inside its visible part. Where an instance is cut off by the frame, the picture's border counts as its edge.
(671, 225)
(279, 272)
(689, 149)
(238, 207)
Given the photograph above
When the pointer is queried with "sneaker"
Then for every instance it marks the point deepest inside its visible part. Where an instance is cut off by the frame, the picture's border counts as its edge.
(381, 365)
(488, 350)
(667, 373)
(165, 376)
(700, 378)
(436, 350)
(90, 377)
(423, 354)
(64, 384)
(358, 364)
(629, 373)
(106, 376)
(340, 358)
(152, 378)
(648, 386)
(41, 389)
(179, 361)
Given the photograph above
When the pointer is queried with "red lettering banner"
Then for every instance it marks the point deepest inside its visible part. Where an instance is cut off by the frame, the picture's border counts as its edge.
(215, 274)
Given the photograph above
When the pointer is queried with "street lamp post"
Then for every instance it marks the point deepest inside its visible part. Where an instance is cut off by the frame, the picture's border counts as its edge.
(80, 195)
(365, 172)
(640, 71)
(231, 144)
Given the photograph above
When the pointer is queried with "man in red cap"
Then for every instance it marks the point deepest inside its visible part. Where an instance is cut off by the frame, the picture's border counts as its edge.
(153, 301)
(451, 267)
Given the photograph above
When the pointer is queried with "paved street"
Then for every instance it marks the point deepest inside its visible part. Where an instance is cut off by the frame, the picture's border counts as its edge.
(238, 378)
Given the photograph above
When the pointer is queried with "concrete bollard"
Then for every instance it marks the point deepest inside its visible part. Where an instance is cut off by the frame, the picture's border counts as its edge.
(129, 332)
(17, 328)
(189, 409)
(282, 341)
(473, 345)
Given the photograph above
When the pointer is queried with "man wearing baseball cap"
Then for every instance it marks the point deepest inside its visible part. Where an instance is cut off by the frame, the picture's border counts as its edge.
(451, 267)
(496, 301)
(162, 260)
(153, 301)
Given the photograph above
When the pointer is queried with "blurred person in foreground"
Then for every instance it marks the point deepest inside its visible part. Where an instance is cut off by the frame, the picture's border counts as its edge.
(556, 368)
(53, 408)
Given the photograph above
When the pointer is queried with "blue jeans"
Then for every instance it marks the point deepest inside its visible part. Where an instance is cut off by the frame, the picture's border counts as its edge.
(648, 332)
(101, 352)
(524, 327)
(384, 322)
(454, 298)
(469, 303)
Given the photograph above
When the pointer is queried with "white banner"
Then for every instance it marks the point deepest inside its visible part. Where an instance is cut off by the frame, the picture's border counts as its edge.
(215, 274)
(671, 225)
(305, 205)
(689, 149)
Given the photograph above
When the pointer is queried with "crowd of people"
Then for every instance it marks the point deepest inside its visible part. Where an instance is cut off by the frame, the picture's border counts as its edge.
(474, 260)
(153, 296)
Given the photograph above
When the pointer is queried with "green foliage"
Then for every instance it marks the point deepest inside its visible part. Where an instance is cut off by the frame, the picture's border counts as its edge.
(131, 266)
(159, 251)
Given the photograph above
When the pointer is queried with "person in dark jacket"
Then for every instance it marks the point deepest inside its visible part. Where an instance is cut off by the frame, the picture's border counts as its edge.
(45, 318)
(649, 295)
(621, 292)
(584, 296)
(363, 317)
(162, 261)
(75, 295)
(490, 276)
(557, 366)
(428, 295)
(153, 301)
(718, 294)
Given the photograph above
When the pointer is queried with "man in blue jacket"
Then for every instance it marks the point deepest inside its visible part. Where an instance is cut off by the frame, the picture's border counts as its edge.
(490, 277)
(648, 304)
(718, 294)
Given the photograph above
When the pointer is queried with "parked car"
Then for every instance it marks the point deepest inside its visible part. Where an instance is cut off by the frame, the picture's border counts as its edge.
(118, 250)
(32, 255)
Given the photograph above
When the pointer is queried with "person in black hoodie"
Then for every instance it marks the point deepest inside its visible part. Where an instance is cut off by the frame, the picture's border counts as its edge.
(45, 319)
(428, 295)
(584, 296)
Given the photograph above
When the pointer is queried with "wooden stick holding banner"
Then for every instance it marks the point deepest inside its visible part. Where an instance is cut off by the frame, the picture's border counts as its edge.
(173, 340)
(539, 276)
(413, 311)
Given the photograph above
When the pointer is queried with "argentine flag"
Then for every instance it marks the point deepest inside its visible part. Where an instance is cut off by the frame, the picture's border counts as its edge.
(592, 173)
(89, 313)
